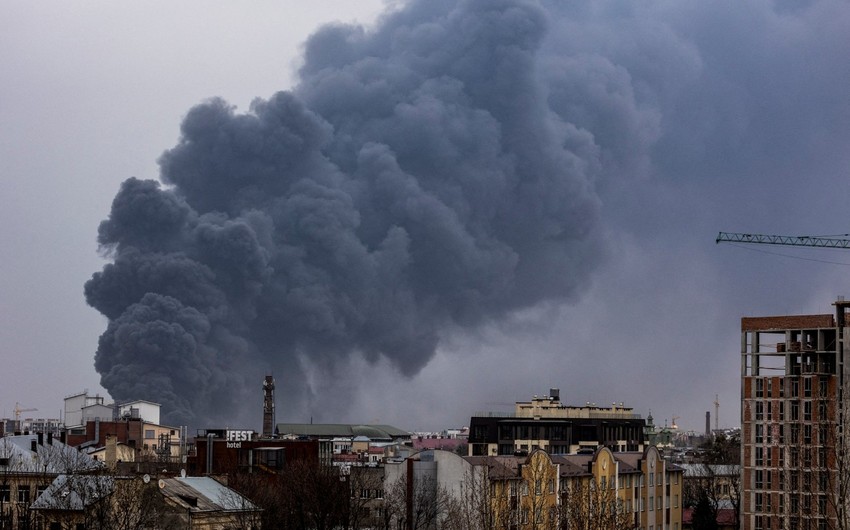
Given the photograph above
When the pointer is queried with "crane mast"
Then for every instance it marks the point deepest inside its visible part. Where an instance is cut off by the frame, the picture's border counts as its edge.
(793, 241)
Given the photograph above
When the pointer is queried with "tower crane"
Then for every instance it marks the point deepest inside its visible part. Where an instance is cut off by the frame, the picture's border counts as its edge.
(18, 411)
(793, 241)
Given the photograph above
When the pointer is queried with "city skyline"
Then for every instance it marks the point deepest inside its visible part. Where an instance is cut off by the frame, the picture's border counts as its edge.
(687, 119)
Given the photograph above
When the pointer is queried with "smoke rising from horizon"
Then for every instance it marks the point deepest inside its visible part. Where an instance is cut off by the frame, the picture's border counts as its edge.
(417, 179)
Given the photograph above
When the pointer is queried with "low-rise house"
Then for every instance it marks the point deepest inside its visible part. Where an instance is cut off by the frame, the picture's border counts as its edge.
(28, 465)
(106, 501)
(202, 503)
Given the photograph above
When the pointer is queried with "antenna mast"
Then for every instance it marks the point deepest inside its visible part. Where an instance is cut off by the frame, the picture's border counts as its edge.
(716, 412)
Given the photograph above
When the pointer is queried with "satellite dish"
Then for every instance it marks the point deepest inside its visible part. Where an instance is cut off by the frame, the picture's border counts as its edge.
(161, 484)
(146, 478)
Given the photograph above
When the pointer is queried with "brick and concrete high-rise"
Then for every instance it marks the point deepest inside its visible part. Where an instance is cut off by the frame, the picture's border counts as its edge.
(794, 455)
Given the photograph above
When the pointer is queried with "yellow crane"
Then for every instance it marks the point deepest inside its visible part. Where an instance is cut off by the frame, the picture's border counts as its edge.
(18, 411)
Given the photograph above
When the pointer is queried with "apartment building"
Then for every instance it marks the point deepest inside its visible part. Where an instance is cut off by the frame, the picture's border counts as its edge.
(28, 465)
(794, 457)
(603, 490)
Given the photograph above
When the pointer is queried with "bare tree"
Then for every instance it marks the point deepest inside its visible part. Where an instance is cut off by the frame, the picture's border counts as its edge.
(590, 505)
(366, 487)
(474, 508)
(416, 504)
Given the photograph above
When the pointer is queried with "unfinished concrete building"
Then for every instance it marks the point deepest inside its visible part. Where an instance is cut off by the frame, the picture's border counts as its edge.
(794, 457)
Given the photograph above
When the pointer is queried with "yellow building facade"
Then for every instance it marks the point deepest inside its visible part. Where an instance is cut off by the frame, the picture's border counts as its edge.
(602, 490)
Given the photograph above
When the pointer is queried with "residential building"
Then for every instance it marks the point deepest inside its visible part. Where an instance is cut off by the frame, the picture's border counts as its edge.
(150, 442)
(602, 490)
(793, 391)
(28, 465)
(107, 501)
(545, 423)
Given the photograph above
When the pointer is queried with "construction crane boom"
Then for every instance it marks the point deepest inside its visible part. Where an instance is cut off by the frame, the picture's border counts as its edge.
(18, 411)
(794, 241)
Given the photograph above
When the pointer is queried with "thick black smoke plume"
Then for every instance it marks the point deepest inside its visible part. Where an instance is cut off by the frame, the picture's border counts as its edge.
(417, 179)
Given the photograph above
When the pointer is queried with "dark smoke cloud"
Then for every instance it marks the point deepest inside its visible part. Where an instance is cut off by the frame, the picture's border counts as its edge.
(416, 179)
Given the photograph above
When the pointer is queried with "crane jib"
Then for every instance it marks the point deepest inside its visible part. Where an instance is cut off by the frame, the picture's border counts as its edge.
(795, 241)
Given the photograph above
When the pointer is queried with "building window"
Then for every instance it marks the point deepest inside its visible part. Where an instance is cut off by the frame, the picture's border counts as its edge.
(759, 479)
(5, 496)
(807, 387)
(759, 456)
(759, 410)
(149, 434)
(759, 388)
(551, 485)
(651, 503)
(23, 494)
(759, 433)
(807, 411)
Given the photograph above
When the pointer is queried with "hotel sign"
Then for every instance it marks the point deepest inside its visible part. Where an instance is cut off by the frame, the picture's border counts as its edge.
(235, 438)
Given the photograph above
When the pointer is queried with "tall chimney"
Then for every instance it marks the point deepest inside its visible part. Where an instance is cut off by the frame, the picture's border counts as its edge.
(268, 407)
(708, 423)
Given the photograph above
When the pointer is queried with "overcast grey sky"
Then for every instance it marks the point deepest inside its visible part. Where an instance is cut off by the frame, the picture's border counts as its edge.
(673, 120)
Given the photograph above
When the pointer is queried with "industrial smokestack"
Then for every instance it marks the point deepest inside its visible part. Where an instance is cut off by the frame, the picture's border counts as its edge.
(708, 423)
(268, 407)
